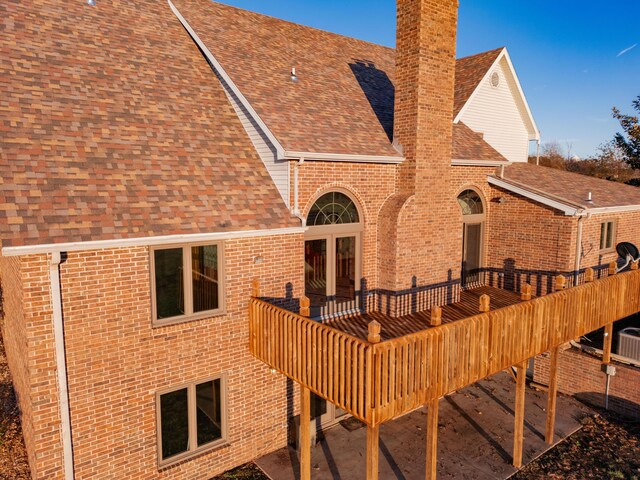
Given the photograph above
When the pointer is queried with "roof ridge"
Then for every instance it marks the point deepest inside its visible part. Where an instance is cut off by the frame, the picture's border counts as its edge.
(336, 34)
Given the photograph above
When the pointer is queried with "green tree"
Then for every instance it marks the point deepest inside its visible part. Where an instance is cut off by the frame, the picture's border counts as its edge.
(629, 141)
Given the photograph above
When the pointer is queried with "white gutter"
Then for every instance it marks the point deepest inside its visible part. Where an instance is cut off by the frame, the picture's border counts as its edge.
(221, 71)
(61, 366)
(341, 157)
(567, 209)
(621, 209)
(145, 241)
(479, 163)
(296, 187)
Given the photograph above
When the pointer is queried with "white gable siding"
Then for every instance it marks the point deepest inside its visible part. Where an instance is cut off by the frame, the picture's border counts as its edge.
(496, 113)
(278, 169)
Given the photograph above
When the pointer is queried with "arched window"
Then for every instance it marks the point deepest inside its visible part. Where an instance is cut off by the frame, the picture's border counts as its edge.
(470, 203)
(334, 208)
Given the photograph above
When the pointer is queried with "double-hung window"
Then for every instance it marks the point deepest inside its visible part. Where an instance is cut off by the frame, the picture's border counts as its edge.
(607, 236)
(186, 282)
(191, 419)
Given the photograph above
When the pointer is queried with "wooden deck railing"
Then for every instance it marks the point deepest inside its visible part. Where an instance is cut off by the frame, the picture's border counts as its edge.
(332, 364)
(376, 382)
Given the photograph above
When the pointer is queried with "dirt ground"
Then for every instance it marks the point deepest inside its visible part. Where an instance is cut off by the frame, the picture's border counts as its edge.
(13, 457)
(607, 447)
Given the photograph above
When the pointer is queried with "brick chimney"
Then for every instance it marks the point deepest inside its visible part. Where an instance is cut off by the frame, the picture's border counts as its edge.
(425, 76)
(420, 227)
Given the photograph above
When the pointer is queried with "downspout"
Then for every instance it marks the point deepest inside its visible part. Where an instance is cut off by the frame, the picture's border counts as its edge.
(538, 152)
(296, 187)
(576, 267)
(61, 365)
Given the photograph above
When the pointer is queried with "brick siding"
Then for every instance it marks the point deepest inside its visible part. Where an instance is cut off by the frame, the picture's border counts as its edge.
(580, 374)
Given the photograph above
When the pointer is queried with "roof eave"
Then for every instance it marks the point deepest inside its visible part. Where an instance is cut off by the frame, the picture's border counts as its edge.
(342, 157)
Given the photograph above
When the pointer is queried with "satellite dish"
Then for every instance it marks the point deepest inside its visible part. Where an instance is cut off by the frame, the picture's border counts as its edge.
(626, 249)
(629, 252)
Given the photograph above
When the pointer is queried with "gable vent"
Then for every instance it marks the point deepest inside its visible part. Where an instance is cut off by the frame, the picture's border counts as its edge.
(495, 79)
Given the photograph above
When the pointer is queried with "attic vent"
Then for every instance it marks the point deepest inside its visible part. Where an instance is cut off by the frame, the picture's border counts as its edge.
(495, 79)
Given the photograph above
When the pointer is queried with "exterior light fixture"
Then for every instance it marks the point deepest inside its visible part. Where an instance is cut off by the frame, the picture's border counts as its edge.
(91, 3)
(294, 77)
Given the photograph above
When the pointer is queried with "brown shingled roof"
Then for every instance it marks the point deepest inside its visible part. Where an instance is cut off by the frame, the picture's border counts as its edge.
(572, 187)
(343, 99)
(114, 126)
(469, 145)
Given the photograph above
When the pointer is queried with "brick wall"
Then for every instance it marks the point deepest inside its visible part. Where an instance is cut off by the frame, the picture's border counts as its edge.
(117, 361)
(28, 334)
(627, 230)
(368, 184)
(579, 374)
(14, 334)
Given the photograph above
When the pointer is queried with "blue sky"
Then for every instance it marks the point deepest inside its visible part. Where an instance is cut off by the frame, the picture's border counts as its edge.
(566, 52)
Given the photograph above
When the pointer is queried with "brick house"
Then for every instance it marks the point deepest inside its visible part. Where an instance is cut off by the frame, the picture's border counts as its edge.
(156, 158)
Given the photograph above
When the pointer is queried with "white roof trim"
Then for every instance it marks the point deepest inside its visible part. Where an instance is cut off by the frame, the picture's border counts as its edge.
(341, 157)
(146, 241)
(479, 163)
(567, 209)
(535, 133)
(621, 209)
(225, 76)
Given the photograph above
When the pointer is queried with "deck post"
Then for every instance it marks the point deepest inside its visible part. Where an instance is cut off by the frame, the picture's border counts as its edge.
(561, 283)
(436, 316)
(521, 372)
(255, 288)
(432, 439)
(373, 446)
(485, 303)
(526, 293)
(305, 433)
(373, 431)
(589, 275)
(374, 332)
(552, 396)
(613, 268)
(606, 349)
(305, 412)
(305, 307)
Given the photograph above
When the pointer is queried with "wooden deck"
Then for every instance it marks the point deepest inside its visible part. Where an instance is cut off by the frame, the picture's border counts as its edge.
(394, 327)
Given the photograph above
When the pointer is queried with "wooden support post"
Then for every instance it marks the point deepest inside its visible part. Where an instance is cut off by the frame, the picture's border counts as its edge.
(485, 303)
(305, 433)
(305, 307)
(589, 275)
(561, 283)
(613, 268)
(634, 265)
(606, 349)
(436, 316)
(527, 291)
(432, 439)
(552, 396)
(374, 332)
(373, 446)
(518, 432)
(255, 288)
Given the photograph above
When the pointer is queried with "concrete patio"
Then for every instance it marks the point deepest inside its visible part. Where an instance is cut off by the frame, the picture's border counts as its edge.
(475, 438)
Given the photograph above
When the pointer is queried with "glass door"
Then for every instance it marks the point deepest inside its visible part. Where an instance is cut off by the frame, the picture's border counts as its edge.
(471, 255)
(332, 273)
(315, 275)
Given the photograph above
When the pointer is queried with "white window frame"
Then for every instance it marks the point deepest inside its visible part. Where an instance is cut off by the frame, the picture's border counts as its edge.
(189, 315)
(194, 450)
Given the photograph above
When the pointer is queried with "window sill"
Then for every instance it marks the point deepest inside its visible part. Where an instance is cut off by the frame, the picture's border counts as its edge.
(188, 318)
(187, 457)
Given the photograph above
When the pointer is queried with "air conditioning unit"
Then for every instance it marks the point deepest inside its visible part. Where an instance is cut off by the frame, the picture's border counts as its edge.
(629, 343)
